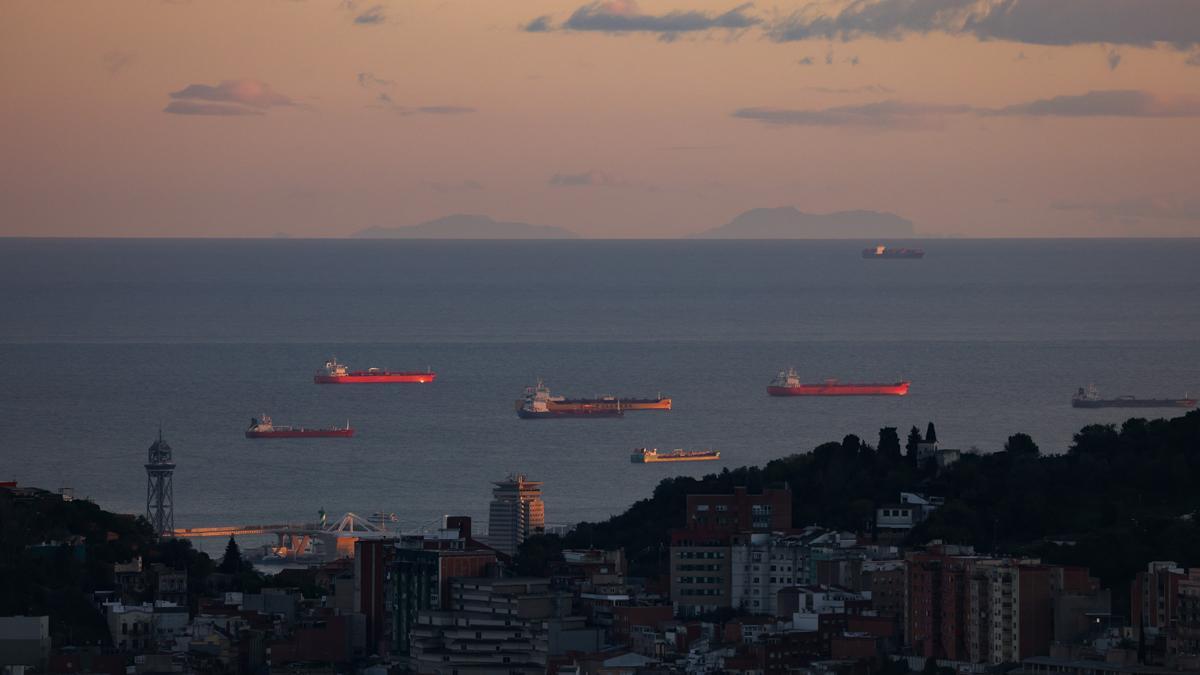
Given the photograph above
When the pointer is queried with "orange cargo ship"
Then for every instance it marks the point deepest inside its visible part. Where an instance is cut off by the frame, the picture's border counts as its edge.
(788, 384)
(653, 456)
(611, 403)
(338, 373)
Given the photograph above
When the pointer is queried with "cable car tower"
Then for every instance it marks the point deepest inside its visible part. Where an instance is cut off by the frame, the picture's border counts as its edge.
(160, 488)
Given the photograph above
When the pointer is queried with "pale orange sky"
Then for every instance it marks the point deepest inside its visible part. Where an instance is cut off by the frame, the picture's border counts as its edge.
(459, 109)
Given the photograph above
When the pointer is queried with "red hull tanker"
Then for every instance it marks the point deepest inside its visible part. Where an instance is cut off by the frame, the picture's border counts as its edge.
(789, 384)
(262, 428)
(338, 373)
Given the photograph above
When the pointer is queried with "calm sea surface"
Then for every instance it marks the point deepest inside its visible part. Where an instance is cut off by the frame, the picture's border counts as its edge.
(101, 341)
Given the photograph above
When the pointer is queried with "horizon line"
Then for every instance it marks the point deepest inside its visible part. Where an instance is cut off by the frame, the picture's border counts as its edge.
(916, 237)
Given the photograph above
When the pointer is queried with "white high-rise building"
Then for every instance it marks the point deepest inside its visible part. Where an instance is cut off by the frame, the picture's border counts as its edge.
(517, 512)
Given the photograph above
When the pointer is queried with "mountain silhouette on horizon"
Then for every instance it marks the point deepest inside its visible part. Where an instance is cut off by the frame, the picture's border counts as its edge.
(466, 226)
(788, 222)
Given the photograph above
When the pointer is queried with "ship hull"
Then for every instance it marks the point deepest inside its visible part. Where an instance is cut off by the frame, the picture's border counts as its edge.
(899, 254)
(375, 378)
(1136, 403)
(583, 413)
(625, 404)
(836, 389)
(661, 460)
(302, 433)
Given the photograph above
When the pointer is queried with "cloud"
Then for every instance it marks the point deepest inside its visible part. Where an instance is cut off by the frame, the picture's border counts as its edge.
(881, 115)
(117, 60)
(247, 91)
(369, 81)
(372, 16)
(893, 114)
(624, 16)
(1104, 103)
(539, 25)
(202, 108)
(585, 179)
(1044, 22)
(1148, 207)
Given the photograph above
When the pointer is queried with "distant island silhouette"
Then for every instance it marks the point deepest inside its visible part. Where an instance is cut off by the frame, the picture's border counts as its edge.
(466, 226)
(788, 222)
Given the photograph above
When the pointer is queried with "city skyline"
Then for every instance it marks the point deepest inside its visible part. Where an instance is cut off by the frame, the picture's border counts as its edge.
(610, 119)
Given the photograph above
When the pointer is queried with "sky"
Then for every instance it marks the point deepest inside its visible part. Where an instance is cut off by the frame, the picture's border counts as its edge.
(615, 119)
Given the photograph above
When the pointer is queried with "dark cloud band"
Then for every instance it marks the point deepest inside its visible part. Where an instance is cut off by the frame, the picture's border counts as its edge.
(1043, 22)
(624, 16)
(902, 115)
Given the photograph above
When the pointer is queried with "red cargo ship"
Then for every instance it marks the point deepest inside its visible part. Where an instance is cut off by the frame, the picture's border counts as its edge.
(338, 373)
(261, 427)
(788, 384)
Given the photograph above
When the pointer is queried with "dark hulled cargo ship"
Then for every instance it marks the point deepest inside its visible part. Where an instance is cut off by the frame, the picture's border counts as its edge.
(1089, 398)
(537, 402)
(883, 252)
(261, 427)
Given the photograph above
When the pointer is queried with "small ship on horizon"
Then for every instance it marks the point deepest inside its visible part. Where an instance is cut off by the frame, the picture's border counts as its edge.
(1090, 398)
(885, 252)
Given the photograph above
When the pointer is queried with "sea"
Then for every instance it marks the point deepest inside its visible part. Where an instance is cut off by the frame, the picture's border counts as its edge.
(105, 342)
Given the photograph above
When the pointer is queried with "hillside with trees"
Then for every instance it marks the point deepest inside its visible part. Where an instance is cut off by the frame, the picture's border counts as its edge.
(56, 553)
(1124, 496)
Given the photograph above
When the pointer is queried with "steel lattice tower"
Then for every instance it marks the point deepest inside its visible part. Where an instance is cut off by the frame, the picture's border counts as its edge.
(160, 488)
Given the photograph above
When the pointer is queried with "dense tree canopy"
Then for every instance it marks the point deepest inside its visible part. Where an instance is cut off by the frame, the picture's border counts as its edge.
(55, 553)
(231, 562)
(889, 444)
(1021, 444)
(1124, 496)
